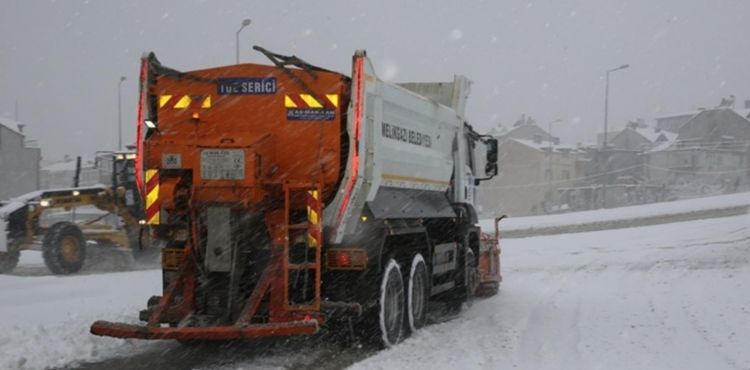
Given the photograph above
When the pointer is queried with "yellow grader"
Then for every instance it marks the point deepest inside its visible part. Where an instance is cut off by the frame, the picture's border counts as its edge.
(33, 220)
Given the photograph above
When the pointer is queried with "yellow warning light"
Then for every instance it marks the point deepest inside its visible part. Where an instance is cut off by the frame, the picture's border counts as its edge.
(363, 218)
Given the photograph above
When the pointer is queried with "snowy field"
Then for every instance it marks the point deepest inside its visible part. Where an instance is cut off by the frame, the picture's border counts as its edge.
(671, 296)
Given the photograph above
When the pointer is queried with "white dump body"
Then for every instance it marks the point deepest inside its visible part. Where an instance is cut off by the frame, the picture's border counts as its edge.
(407, 138)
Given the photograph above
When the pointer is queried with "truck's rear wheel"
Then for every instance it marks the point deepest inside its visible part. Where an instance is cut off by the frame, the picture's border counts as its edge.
(418, 294)
(64, 248)
(8, 261)
(391, 305)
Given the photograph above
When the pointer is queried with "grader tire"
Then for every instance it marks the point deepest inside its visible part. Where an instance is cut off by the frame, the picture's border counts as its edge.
(64, 248)
(8, 261)
(145, 250)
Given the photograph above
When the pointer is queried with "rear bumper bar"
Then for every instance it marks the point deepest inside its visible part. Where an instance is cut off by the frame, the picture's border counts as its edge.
(122, 330)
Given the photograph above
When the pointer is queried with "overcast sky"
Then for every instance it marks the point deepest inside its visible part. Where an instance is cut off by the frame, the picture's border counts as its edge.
(61, 60)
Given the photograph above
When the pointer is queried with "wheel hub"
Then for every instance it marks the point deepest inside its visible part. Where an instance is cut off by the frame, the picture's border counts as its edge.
(69, 248)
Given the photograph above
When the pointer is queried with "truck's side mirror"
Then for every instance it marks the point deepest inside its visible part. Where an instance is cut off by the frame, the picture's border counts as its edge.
(492, 150)
(490, 169)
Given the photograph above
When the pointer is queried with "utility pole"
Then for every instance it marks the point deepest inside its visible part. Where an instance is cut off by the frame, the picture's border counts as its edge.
(605, 153)
(119, 112)
(549, 158)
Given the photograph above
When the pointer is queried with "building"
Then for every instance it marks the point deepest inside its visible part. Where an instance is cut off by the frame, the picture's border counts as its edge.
(620, 167)
(673, 122)
(710, 155)
(531, 132)
(719, 125)
(19, 161)
(640, 138)
(530, 171)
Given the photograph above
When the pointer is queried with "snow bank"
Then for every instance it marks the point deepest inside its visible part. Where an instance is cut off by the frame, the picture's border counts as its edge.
(646, 214)
(45, 320)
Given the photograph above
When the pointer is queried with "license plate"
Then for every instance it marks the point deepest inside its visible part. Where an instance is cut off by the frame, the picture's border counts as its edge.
(222, 164)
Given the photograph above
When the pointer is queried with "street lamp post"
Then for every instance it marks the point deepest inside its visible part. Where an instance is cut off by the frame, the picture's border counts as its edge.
(549, 158)
(245, 23)
(605, 167)
(119, 112)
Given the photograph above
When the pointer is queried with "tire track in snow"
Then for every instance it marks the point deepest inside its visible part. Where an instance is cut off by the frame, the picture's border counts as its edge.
(552, 323)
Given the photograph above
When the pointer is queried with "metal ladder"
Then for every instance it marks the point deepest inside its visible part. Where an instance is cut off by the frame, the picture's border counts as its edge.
(314, 232)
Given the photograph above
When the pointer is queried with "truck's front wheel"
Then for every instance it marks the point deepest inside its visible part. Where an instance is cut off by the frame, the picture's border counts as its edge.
(391, 305)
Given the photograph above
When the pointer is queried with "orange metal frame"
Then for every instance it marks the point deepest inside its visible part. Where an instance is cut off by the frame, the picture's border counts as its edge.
(284, 319)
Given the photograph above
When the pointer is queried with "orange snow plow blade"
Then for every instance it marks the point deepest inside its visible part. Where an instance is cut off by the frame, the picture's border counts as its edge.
(490, 275)
(121, 330)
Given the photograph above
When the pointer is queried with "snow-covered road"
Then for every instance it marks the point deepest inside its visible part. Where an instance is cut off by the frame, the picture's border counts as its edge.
(674, 296)
(671, 296)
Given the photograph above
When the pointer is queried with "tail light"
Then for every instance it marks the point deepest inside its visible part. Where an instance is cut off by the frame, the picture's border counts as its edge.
(354, 259)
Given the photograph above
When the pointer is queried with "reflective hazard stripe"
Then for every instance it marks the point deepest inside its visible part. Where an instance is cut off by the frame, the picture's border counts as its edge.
(310, 101)
(288, 102)
(206, 102)
(153, 206)
(307, 101)
(333, 98)
(163, 100)
(313, 219)
(185, 101)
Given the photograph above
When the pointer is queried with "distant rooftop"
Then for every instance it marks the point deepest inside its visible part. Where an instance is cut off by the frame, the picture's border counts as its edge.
(653, 134)
(744, 112)
(680, 114)
(11, 125)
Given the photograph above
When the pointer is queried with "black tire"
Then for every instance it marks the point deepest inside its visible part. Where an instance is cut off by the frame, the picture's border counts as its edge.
(418, 294)
(64, 248)
(472, 278)
(466, 283)
(8, 261)
(391, 305)
(145, 251)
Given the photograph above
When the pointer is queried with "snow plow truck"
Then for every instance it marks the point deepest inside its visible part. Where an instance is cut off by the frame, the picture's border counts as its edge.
(288, 196)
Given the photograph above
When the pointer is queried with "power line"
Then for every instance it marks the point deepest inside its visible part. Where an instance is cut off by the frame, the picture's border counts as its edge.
(546, 183)
(564, 181)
